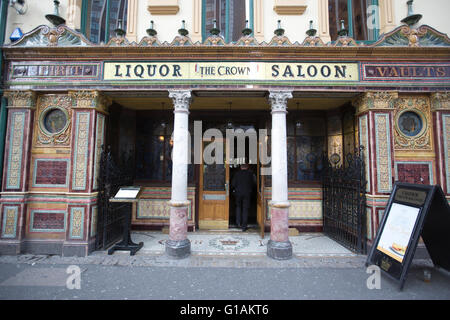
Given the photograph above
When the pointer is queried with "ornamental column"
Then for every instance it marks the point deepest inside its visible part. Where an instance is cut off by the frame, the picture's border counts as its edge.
(279, 247)
(178, 245)
(16, 170)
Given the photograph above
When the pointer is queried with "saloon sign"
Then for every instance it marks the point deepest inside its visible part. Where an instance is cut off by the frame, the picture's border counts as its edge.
(231, 71)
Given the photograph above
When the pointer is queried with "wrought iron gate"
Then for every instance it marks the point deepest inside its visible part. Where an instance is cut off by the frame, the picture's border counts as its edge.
(344, 201)
(110, 216)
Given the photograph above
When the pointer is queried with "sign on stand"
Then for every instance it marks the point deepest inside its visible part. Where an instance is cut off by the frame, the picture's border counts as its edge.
(413, 211)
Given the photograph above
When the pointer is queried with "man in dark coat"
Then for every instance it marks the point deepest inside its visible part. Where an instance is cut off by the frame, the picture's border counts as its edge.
(243, 182)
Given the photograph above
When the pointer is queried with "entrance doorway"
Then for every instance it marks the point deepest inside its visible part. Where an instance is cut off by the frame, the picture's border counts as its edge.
(217, 203)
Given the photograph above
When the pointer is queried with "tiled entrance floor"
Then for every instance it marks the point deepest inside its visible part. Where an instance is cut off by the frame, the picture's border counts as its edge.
(241, 243)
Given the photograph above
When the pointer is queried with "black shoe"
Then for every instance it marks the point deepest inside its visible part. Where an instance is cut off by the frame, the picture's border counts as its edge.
(244, 229)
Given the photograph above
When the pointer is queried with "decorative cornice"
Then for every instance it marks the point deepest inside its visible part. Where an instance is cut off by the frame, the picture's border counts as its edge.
(21, 99)
(313, 42)
(280, 41)
(404, 36)
(440, 101)
(380, 100)
(45, 36)
(278, 100)
(90, 99)
(181, 100)
(63, 36)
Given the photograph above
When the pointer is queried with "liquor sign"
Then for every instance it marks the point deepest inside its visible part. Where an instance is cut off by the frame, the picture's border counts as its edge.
(231, 71)
(413, 211)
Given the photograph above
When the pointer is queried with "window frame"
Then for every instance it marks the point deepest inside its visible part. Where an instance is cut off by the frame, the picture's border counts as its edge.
(375, 32)
(84, 18)
(205, 33)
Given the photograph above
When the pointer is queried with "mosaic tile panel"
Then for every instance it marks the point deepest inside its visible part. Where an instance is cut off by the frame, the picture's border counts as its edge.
(305, 210)
(99, 140)
(94, 213)
(414, 172)
(10, 216)
(81, 149)
(155, 209)
(383, 153)
(446, 135)
(48, 221)
(364, 141)
(50, 172)
(369, 223)
(76, 223)
(14, 171)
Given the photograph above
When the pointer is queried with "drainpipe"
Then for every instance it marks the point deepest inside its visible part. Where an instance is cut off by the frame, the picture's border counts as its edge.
(3, 111)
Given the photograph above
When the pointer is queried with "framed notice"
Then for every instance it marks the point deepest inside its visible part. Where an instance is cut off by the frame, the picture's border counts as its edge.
(127, 194)
(413, 211)
(398, 230)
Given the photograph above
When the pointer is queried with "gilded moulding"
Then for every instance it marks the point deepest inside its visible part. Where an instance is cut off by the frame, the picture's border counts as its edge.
(419, 139)
(440, 101)
(382, 100)
(90, 99)
(44, 137)
(21, 99)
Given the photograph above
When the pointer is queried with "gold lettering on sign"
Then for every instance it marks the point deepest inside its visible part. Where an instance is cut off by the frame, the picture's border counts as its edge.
(248, 71)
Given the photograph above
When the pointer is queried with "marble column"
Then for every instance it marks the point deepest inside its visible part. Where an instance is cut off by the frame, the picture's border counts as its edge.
(279, 247)
(178, 245)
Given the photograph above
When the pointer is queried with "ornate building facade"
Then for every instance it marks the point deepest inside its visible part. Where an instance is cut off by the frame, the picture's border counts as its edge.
(326, 88)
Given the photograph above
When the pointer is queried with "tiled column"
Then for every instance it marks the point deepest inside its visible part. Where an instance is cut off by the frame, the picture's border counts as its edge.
(178, 245)
(21, 105)
(89, 111)
(375, 116)
(440, 107)
(279, 247)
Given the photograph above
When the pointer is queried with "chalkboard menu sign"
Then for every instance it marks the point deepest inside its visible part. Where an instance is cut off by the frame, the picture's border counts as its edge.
(412, 211)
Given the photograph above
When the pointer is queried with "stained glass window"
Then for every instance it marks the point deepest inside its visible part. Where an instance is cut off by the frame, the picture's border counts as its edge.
(360, 18)
(230, 16)
(100, 18)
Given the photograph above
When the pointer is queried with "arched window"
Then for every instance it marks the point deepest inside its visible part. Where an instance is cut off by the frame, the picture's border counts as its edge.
(100, 18)
(360, 18)
(230, 16)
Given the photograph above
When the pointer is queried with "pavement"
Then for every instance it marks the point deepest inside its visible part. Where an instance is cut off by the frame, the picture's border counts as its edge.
(319, 269)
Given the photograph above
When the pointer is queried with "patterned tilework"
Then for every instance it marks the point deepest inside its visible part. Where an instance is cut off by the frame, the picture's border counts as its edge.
(81, 148)
(414, 172)
(155, 209)
(305, 205)
(369, 223)
(10, 216)
(94, 213)
(99, 137)
(364, 141)
(305, 210)
(50, 173)
(48, 221)
(446, 135)
(14, 173)
(383, 150)
(153, 203)
(76, 223)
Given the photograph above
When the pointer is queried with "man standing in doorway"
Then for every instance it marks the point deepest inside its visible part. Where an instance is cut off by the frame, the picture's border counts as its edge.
(243, 182)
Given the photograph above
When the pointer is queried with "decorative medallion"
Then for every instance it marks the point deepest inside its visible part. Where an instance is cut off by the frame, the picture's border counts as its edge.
(412, 122)
(229, 243)
(54, 120)
(54, 124)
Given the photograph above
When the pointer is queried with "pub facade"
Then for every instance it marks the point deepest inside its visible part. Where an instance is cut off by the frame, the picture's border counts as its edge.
(157, 107)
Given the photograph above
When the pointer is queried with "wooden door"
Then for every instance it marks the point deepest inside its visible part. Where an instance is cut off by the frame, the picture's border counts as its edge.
(260, 201)
(214, 192)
